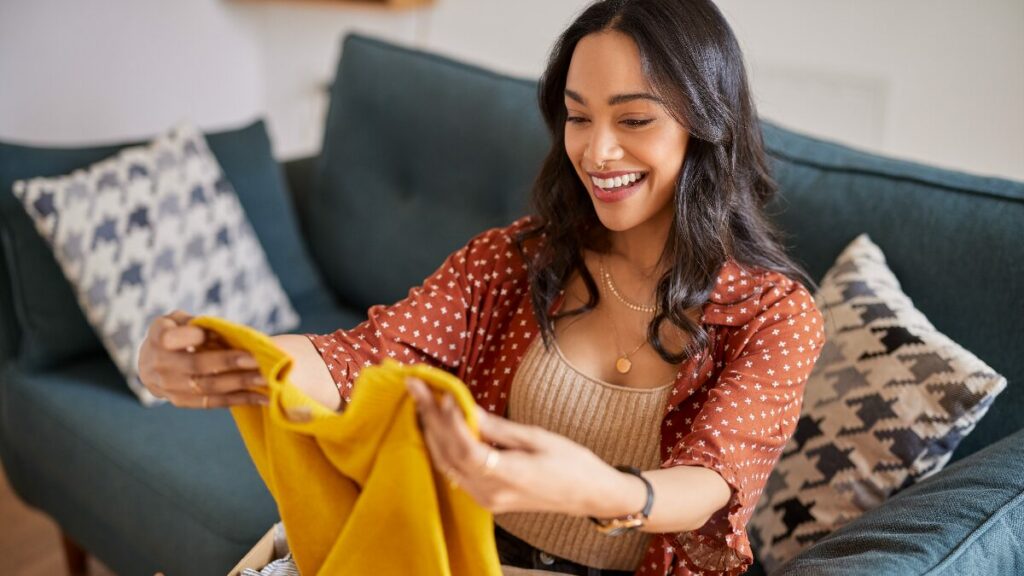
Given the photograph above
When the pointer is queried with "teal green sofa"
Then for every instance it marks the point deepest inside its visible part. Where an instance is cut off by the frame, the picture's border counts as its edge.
(419, 153)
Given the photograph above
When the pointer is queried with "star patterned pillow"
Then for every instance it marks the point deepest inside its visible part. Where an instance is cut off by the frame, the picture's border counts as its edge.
(886, 405)
(151, 229)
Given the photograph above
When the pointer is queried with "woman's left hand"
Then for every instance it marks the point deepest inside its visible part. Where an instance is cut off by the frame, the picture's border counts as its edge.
(536, 470)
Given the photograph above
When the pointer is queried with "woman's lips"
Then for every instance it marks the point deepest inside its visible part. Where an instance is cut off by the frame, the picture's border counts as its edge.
(617, 194)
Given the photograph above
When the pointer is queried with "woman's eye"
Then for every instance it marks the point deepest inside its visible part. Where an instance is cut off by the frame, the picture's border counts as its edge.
(633, 123)
(575, 119)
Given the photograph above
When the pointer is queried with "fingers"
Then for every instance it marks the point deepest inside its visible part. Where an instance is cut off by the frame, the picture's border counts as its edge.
(437, 455)
(506, 433)
(171, 332)
(448, 438)
(218, 361)
(427, 419)
(466, 453)
(485, 473)
(226, 383)
(199, 401)
(181, 337)
(205, 362)
(180, 317)
(185, 363)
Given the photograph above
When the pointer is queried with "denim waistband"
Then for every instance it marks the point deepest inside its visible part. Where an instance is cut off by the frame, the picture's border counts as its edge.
(514, 552)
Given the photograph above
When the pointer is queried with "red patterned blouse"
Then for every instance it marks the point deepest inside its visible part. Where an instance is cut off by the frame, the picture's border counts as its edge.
(732, 409)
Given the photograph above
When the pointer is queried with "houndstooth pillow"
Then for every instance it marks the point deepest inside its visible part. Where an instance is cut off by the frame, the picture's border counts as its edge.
(151, 229)
(887, 403)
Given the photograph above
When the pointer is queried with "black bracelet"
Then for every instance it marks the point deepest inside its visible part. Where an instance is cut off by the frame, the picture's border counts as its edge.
(629, 521)
(650, 489)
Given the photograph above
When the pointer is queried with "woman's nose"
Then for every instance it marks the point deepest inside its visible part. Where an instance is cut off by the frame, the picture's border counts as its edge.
(603, 146)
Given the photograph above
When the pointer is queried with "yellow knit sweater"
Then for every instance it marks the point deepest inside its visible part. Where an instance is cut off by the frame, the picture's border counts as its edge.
(356, 490)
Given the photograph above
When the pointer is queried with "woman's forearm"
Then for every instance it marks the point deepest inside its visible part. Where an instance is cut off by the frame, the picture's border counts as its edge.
(685, 497)
(309, 373)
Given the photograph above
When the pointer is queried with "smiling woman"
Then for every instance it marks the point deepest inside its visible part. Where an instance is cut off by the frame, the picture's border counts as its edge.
(621, 140)
(655, 183)
(628, 424)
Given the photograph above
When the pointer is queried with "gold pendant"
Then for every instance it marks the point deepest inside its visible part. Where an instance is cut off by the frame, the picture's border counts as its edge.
(623, 365)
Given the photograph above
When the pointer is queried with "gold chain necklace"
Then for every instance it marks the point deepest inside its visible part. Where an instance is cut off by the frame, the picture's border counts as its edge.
(607, 277)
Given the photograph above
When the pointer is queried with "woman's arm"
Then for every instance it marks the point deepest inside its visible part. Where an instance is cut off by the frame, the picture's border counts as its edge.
(309, 372)
(441, 322)
(718, 469)
(544, 472)
(687, 496)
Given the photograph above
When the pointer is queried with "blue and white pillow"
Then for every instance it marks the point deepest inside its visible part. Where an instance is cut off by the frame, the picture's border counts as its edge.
(151, 229)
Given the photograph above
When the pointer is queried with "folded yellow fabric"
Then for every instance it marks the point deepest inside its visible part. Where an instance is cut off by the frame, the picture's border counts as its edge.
(356, 490)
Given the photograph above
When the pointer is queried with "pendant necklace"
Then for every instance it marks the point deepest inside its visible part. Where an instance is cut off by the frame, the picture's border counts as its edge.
(622, 364)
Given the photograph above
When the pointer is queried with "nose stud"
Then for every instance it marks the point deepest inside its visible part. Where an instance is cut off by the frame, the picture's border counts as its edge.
(600, 166)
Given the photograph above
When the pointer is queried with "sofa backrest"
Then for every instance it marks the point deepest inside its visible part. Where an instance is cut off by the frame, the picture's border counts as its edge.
(954, 241)
(420, 152)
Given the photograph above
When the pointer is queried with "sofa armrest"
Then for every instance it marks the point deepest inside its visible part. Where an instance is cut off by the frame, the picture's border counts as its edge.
(964, 520)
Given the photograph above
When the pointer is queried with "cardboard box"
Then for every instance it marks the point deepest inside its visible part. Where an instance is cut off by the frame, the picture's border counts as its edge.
(264, 552)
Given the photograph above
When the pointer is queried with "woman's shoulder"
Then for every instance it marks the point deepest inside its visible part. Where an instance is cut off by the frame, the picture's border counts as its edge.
(506, 236)
(494, 254)
(744, 291)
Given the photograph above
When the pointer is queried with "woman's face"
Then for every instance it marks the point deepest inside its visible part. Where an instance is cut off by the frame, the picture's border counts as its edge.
(625, 146)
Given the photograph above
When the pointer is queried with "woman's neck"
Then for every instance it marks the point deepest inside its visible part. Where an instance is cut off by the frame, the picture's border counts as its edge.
(642, 247)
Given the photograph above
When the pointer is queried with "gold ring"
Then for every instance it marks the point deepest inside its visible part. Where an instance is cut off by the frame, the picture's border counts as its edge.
(194, 385)
(491, 462)
(206, 402)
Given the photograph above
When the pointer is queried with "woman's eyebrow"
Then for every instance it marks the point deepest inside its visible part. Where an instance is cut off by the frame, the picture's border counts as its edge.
(617, 99)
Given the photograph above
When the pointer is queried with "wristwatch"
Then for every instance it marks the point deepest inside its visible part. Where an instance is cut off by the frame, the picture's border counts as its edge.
(629, 522)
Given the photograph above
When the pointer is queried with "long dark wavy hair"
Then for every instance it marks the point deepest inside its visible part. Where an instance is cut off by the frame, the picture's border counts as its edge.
(691, 58)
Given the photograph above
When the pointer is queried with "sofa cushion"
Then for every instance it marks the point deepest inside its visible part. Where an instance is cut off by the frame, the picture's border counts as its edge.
(968, 519)
(886, 405)
(51, 327)
(181, 488)
(155, 228)
(953, 240)
(181, 481)
(407, 185)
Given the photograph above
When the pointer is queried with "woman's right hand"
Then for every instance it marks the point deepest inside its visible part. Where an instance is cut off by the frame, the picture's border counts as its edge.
(194, 368)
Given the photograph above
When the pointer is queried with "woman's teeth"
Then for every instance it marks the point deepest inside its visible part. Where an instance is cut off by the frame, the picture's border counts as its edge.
(618, 181)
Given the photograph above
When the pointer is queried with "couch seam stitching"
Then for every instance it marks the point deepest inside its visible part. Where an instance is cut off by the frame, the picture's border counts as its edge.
(977, 533)
(774, 152)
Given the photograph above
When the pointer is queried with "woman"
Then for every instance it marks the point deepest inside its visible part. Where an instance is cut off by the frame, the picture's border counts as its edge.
(645, 317)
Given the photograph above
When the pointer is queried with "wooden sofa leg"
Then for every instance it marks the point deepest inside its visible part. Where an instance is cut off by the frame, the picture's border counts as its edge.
(76, 556)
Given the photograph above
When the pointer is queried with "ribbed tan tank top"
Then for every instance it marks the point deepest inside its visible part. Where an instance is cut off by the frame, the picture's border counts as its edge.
(620, 425)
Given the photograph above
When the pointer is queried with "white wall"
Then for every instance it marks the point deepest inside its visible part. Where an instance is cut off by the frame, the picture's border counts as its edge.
(75, 72)
(939, 81)
(299, 46)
